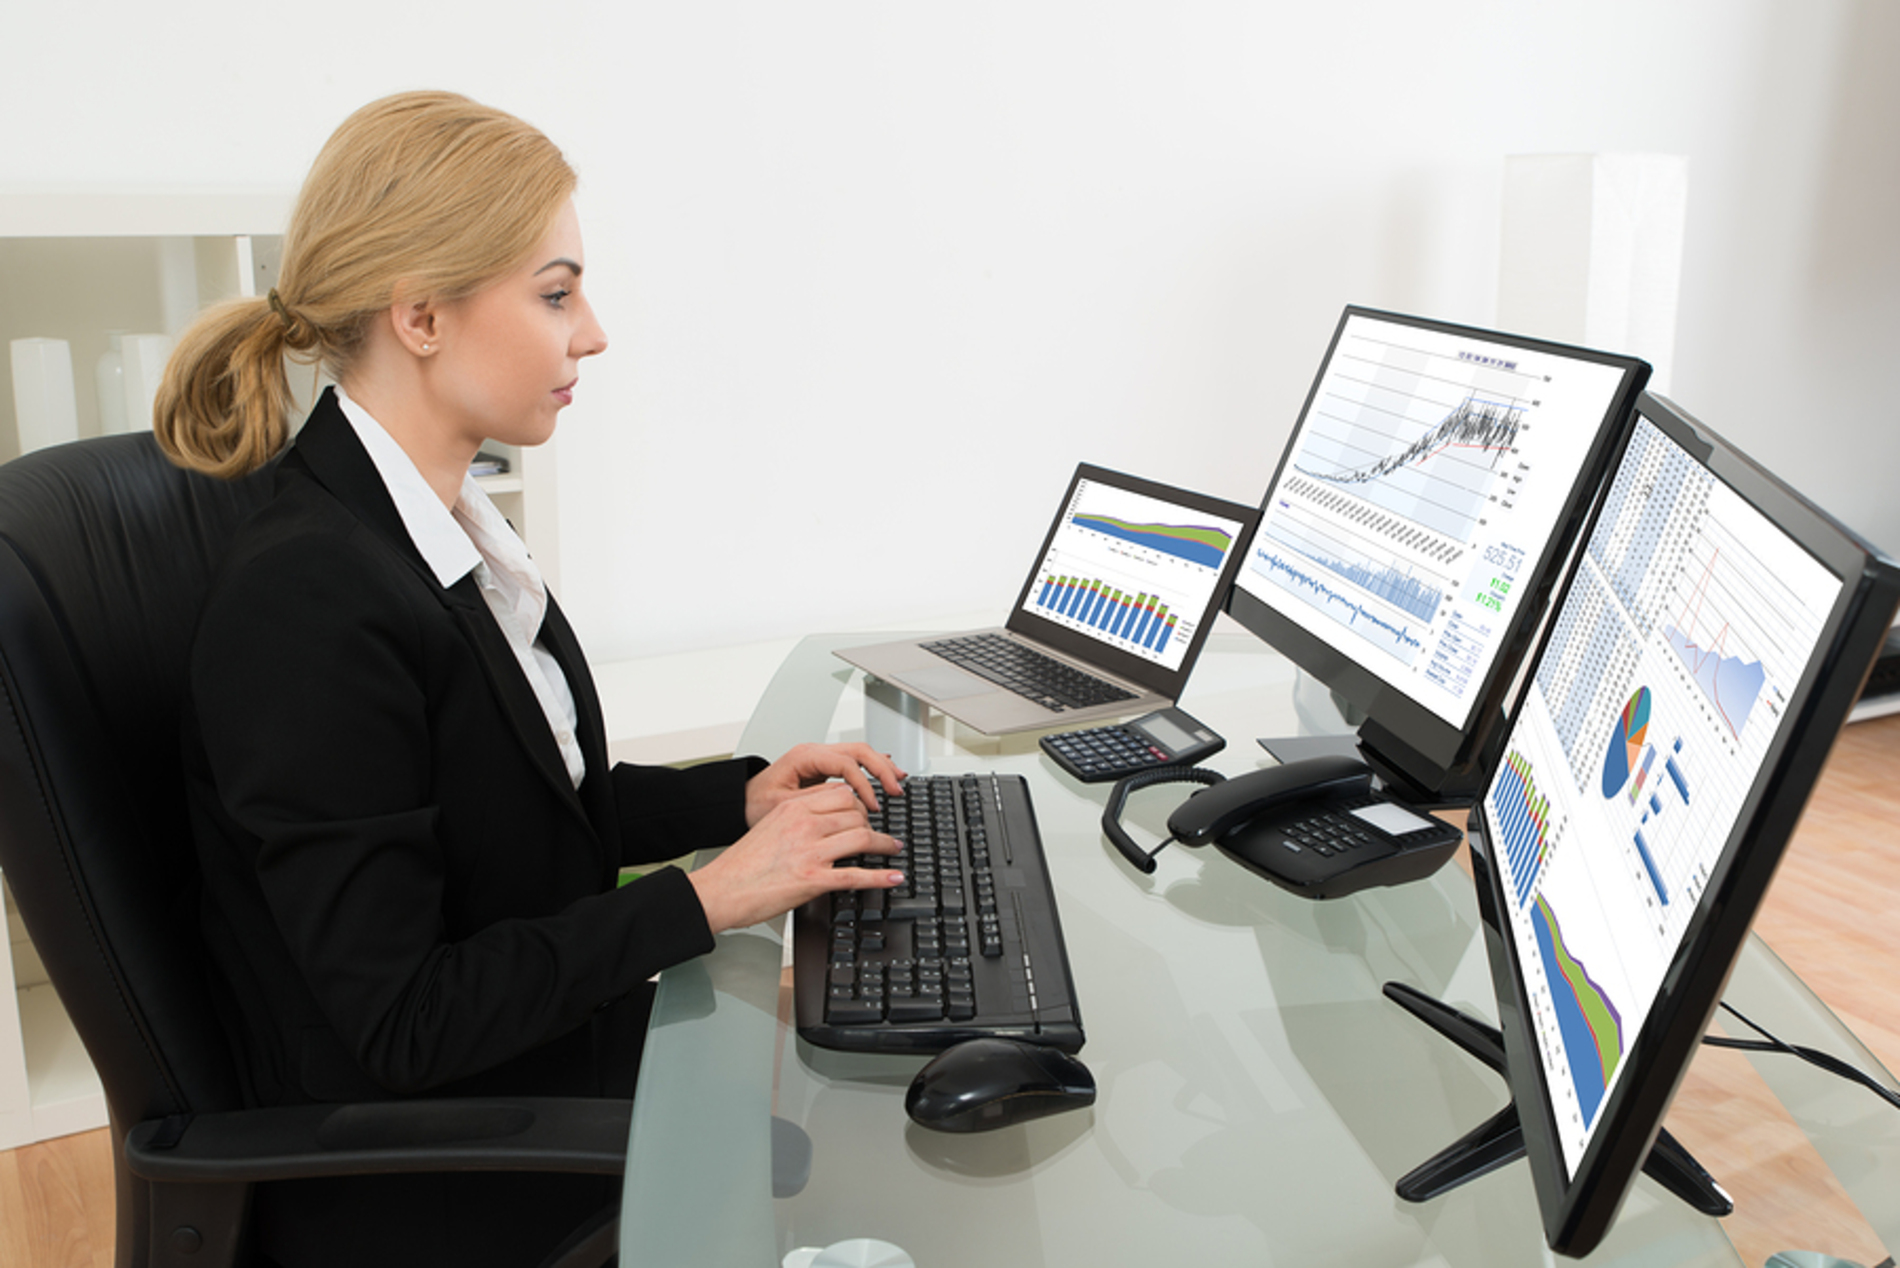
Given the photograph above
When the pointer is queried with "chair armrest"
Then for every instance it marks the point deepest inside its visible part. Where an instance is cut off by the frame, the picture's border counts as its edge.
(582, 1135)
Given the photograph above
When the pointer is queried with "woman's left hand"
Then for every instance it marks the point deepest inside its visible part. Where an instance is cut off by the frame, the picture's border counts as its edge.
(810, 765)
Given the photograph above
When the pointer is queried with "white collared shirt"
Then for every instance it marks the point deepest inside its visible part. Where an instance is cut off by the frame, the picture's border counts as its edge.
(476, 539)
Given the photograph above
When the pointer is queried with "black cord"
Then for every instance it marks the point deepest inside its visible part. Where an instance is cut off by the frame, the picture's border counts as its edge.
(1832, 1064)
(1144, 860)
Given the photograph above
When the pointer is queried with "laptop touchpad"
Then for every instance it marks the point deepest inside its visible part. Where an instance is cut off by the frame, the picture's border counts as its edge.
(947, 683)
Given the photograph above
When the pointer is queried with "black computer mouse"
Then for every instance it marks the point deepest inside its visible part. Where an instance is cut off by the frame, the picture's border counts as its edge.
(982, 1084)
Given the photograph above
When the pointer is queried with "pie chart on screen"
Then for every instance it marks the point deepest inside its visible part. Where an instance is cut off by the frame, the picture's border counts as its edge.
(1626, 742)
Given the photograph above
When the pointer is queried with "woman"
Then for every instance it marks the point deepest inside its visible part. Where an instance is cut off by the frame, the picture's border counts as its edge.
(410, 832)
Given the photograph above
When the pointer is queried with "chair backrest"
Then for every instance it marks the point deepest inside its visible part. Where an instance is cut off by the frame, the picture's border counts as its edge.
(106, 554)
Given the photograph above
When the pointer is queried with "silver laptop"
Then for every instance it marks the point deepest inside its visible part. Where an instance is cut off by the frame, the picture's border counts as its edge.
(1121, 595)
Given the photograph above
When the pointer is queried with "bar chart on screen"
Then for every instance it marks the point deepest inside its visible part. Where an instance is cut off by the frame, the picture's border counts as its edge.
(1142, 619)
(1130, 570)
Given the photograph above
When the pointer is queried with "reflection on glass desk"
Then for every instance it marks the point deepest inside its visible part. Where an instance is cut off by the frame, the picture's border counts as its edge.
(1258, 1095)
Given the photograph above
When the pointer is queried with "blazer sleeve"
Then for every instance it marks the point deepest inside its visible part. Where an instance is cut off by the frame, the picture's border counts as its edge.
(325, 697)
(667, 813)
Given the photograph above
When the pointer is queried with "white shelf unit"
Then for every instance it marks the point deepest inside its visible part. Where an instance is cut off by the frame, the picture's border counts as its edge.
(77, 264)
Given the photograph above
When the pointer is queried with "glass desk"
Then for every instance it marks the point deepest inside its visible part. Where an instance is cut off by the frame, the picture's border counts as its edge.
(1257, 1095)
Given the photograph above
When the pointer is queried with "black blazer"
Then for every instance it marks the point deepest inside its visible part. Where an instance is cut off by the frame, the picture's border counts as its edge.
(404, 893)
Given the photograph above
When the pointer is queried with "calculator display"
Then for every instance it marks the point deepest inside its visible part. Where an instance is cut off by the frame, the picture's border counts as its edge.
(1171, 736)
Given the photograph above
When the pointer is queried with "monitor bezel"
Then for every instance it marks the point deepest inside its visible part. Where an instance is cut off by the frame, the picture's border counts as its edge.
(1405, 733)
(1125, 665)
(1578, 1209)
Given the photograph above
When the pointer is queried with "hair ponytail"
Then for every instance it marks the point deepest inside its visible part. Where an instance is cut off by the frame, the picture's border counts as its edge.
(224, 403)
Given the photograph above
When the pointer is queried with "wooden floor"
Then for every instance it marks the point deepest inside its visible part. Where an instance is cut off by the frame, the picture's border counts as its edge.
(1833, 914)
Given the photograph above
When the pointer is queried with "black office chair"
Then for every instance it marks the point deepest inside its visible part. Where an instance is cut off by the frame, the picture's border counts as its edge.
(106, 552)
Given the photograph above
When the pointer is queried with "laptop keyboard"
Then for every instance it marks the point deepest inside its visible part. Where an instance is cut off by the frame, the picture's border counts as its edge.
(969, 945)
(1027, 672)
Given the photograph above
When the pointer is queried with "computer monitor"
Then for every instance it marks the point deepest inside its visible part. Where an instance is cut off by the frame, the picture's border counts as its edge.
(1708, 644)
(1425, 503)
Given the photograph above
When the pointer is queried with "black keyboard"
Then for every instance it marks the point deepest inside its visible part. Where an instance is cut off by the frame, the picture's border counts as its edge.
(968, 946)
(1028, 672)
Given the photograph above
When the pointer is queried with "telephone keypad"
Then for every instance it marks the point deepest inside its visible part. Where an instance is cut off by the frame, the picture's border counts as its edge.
(1327, 835)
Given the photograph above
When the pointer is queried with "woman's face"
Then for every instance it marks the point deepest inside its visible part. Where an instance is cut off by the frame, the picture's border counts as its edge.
(509, 356)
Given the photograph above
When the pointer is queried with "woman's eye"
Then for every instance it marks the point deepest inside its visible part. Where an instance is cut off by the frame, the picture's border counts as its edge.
(556, 297)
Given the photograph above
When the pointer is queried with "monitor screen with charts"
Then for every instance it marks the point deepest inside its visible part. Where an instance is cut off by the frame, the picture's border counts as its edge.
(1711, 638)
(1421, 511)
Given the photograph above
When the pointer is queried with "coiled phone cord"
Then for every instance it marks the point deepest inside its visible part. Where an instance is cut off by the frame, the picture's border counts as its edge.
(1144, 860)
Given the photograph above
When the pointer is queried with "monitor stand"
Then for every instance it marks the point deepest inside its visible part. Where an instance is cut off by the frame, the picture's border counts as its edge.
(1500, 1139)
(1291, 748)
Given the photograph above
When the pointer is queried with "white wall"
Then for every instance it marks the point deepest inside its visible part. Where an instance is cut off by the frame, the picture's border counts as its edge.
(878, 274)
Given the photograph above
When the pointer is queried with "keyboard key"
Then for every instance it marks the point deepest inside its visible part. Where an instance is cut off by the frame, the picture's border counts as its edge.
(920, 1008)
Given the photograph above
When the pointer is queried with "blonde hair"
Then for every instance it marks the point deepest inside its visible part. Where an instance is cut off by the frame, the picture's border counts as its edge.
(419, 196)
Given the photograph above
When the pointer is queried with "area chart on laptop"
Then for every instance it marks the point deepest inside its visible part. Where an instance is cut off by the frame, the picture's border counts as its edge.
(1415, 494)
(1132, 571)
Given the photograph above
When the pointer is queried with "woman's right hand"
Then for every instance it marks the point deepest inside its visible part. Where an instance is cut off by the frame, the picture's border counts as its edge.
(789, 858)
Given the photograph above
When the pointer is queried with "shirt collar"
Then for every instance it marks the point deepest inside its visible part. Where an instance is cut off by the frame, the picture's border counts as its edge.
(441, 542)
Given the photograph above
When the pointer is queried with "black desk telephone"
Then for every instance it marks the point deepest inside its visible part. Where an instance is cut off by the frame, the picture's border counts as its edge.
(1315, 826)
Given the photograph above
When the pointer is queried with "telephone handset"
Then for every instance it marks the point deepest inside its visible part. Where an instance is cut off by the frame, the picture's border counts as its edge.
(1314, 826)
(1214, 812)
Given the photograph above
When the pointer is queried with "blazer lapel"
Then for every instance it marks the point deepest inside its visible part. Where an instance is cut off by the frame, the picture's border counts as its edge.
(328, 447)
(510, 684)
(596, 790)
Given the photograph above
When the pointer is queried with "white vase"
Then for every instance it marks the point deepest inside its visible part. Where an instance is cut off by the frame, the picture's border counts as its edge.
(108, 376)
(144, 360)
(44, 408)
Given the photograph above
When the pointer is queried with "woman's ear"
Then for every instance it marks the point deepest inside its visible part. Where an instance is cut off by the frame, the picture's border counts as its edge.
(417, 326)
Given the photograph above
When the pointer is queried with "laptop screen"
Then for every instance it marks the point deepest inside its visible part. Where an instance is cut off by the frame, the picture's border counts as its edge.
(1134, 567)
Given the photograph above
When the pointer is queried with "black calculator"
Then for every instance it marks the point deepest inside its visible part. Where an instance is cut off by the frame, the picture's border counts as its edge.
(1166, 737)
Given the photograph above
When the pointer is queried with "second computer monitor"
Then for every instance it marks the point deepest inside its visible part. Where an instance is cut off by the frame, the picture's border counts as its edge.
(1423, 507)
(1709, 642)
